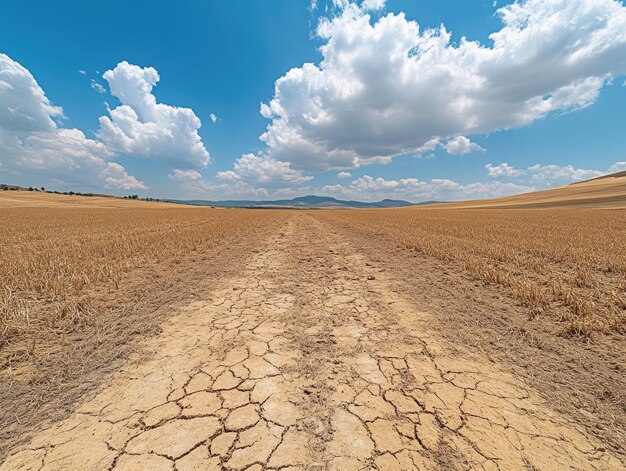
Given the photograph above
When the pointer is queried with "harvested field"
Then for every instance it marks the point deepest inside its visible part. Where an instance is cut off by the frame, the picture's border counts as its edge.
(192, 338)
(569, 264)
(37, 199)
(79, 284)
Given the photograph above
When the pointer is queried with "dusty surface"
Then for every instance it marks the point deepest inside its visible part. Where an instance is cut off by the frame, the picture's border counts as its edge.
(581, 378)
(307, 359)
(80, 288)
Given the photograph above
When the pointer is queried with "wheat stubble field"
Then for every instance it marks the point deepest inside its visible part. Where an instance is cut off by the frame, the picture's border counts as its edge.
(150, 336)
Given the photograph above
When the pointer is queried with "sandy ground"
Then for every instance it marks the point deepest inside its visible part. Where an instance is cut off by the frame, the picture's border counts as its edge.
(309, 358)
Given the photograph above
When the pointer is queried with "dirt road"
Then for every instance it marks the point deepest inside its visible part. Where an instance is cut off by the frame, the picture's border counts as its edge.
(308, 360)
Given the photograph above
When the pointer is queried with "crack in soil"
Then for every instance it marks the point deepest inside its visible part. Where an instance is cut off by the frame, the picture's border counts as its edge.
(308, 360)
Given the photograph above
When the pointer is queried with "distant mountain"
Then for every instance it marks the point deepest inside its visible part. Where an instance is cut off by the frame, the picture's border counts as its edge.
(302, 202)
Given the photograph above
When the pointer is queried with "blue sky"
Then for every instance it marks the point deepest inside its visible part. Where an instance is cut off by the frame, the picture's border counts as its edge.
(406, 113)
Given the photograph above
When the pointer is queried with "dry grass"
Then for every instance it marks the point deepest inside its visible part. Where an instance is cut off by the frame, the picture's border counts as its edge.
(567, 263)
(39, 199)
(80, 286)
(56, 265)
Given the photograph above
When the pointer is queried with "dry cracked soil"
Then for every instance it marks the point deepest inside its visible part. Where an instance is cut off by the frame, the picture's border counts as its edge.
(307, 359)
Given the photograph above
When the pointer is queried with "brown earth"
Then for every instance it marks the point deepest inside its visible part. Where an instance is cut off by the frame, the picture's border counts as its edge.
(323, 353)
(79, 287)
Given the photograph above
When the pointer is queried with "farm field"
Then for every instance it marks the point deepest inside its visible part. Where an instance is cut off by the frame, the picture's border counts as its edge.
(154, 336)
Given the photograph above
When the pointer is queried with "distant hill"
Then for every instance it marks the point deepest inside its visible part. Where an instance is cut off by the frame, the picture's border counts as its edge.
(302, 202)
(20, 198)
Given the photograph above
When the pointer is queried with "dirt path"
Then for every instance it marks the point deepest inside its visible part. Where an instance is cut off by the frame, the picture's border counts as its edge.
(308, 360)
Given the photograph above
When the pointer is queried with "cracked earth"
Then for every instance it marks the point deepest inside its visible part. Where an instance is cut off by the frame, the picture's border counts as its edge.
(308, 360)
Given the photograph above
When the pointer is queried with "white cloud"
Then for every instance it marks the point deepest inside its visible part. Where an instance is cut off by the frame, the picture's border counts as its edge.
(461, 145)
(263, 170)
(97, 87)
(373, 4)
(213, 118)
(368, 188)
(115, 176)
(60, 150)
(82, 72)
(228, 176)
(503, 170)
(185, 175)
(341, 3)
(24, 107)
(344, 175)
(546, 175)
(33, 146)
(141, 127)
(193, 184)
(387, 88)
(66, 155)
(617, 167)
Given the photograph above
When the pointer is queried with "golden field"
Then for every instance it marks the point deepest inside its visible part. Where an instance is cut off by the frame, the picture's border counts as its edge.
(560, 252)
(39, 199)
(82, 277)
(92, 285)
(567, 263)
(51, 259)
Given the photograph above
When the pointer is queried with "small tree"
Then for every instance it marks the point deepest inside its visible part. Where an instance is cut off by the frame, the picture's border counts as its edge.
(43, 189)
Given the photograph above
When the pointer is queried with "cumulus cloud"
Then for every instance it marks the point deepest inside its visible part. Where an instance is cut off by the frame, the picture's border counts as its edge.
(141, 127)
(264, 171)
(412, 189)
(549, 174)
(386, 87)
(373, 4)
(365, 188)
(213, 118)
(535, 177)
(344, 175)
(115, 176)
(369, 188)
(341, 4)
(546, 175)
(617, 167)
(461, 145)
(24, 107)
(193, 184)
(185, 175)
(32, 143)
(503, 170)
